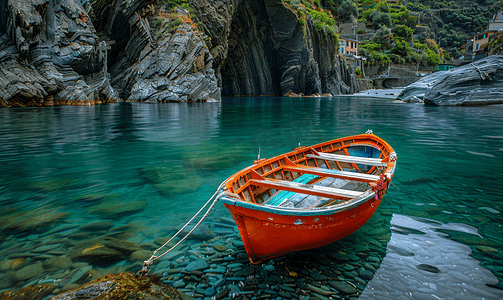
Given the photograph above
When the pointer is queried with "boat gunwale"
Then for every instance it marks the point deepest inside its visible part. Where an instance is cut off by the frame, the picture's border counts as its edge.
(327, 210)
(315, 211)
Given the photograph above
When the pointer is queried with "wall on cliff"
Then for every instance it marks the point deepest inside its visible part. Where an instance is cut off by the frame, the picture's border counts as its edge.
(81, 52)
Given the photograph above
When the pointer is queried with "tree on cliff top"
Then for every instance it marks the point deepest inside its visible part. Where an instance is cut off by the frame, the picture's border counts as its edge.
(348, 11)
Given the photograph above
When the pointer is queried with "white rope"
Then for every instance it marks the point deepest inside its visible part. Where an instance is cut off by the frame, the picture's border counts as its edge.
(213, 200)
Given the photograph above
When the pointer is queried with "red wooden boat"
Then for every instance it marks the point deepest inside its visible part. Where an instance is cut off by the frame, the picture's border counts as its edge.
(309, 197)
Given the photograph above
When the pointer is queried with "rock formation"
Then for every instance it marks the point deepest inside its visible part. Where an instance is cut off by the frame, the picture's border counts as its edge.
(478, 83)
(82, 52)
(270, 52)
(50, 54)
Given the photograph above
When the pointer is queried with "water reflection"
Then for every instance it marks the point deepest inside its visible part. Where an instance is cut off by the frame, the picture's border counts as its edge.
(429, 265)
(145, 169)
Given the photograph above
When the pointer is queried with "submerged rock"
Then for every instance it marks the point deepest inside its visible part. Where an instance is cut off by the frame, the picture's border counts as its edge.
(32, 292)
(34, 220)
(103, 250)
(478, 83)
(118, 209)
(28, 272)
(123, 286)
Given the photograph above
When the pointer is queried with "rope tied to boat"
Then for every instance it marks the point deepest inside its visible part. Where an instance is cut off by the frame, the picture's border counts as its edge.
(213, 200)
(380, 186)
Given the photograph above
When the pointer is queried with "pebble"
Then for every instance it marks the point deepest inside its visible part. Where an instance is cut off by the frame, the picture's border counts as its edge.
(28, 272)
(220, 248)
(81, 272)
(209, 292)
(322, 291)
(45, 248)
(342, 287)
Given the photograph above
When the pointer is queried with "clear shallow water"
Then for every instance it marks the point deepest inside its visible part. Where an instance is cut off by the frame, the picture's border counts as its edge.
(155, 165)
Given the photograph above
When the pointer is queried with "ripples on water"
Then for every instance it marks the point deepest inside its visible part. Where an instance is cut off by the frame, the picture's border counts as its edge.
(157, 163)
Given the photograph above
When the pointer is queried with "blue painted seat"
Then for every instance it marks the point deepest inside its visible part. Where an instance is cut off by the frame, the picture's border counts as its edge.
(285, 195)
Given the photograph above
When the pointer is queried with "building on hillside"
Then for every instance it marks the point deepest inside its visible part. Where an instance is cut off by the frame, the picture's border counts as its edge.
(494, 28)
(482, 38)
(348, 46)
(360, 60)
(497, 22)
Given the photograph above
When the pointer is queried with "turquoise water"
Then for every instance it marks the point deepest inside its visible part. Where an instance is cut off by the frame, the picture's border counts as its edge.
(156, 164)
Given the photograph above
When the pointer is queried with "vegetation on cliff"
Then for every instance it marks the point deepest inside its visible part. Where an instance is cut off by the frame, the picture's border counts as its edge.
(323, 19)
(395, 44)
(453, 22)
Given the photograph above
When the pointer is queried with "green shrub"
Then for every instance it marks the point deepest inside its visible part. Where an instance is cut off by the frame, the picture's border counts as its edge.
(347, 11)
(173, 25)
(402, 31)
(401, 47)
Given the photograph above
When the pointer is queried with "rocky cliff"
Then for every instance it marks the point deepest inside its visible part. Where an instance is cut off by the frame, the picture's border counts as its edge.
(83, 52)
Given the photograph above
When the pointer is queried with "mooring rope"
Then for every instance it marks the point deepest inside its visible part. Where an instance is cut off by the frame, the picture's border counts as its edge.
(213, 200)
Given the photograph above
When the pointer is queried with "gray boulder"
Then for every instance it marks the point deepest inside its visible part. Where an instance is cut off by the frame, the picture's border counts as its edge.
(477, 83)
(414, 92)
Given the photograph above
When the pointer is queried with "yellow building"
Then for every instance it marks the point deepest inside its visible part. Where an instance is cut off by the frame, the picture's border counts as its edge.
(482, 38)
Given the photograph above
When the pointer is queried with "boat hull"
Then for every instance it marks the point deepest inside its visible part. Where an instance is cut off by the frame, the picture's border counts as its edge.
(269, 228)
(267, 235)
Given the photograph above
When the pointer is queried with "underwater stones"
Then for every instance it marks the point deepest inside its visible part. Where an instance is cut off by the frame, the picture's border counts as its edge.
(342, 287)
(51, 185)
(141, 255)
(220, 248)
(12, 264)
(102, 249)
(202, 232)
(170, 180)
(80, 273)
(58, 262)
(96, 254)
(97, 226)
(28, 272)
(118, 208)
(33, 220)
(197, 265)
(45, 248)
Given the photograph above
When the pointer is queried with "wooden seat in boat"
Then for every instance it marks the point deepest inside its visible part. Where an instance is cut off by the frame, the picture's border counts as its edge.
(309, 189)
(281, 196)
(350, 159)
(331, 173)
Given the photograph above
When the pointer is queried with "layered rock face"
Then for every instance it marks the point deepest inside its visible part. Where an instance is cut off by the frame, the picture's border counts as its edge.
(478, 83)
(271, 53)
(56, 52)
(50, 54)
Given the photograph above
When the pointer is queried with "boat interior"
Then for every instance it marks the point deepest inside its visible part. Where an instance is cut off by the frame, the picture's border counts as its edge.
(313, 177)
